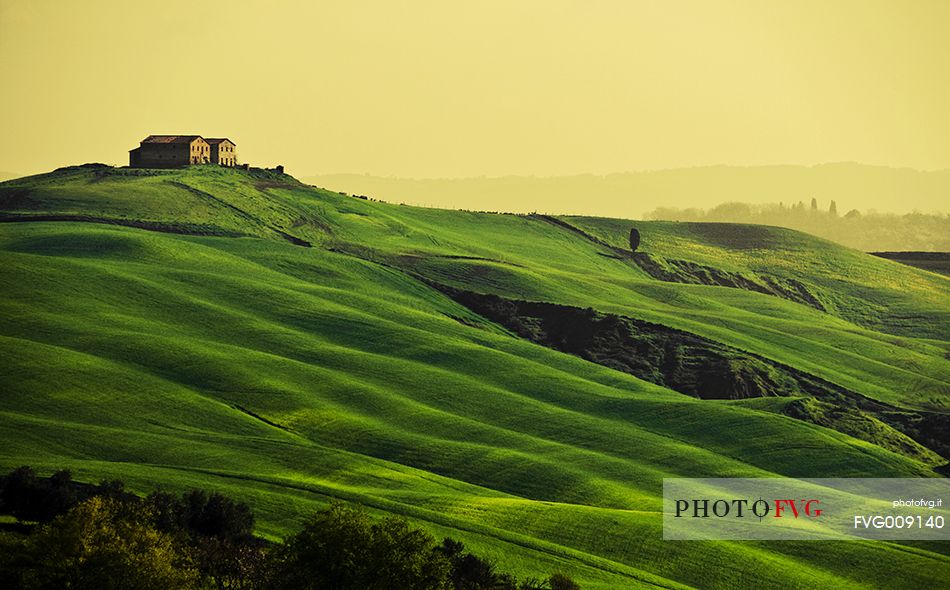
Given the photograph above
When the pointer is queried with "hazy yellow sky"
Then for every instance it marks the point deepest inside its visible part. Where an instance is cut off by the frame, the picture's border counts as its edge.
(445, 88)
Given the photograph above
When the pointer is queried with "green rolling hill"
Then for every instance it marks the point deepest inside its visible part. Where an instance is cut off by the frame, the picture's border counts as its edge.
(244, 332)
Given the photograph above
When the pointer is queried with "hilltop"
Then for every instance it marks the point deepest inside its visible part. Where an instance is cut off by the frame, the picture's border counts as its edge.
(244, 331)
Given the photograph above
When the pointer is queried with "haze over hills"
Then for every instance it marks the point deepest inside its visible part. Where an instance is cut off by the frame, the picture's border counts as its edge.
(521, 382)
(632, 194)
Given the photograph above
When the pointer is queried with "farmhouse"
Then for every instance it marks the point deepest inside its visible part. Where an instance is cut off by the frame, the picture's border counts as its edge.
(222, 151)
(173, 151)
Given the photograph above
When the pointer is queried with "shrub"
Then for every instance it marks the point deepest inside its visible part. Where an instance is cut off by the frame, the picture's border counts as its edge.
(562, 582)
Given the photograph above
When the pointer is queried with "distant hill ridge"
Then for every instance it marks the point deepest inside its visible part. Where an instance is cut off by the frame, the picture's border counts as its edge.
(632, 194)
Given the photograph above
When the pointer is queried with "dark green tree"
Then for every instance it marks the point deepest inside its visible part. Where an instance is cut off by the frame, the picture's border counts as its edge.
(216, 515)
(634, 239)
(101, 544)
(20, 494)
(343, 548)
(169, 512)
(470, 572)
(225, 564)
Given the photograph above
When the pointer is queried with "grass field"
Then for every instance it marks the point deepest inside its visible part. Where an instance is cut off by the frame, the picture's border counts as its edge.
(171, 329)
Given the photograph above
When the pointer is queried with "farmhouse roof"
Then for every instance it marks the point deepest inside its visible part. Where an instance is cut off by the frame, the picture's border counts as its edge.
(217, 140)
(171, 138)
